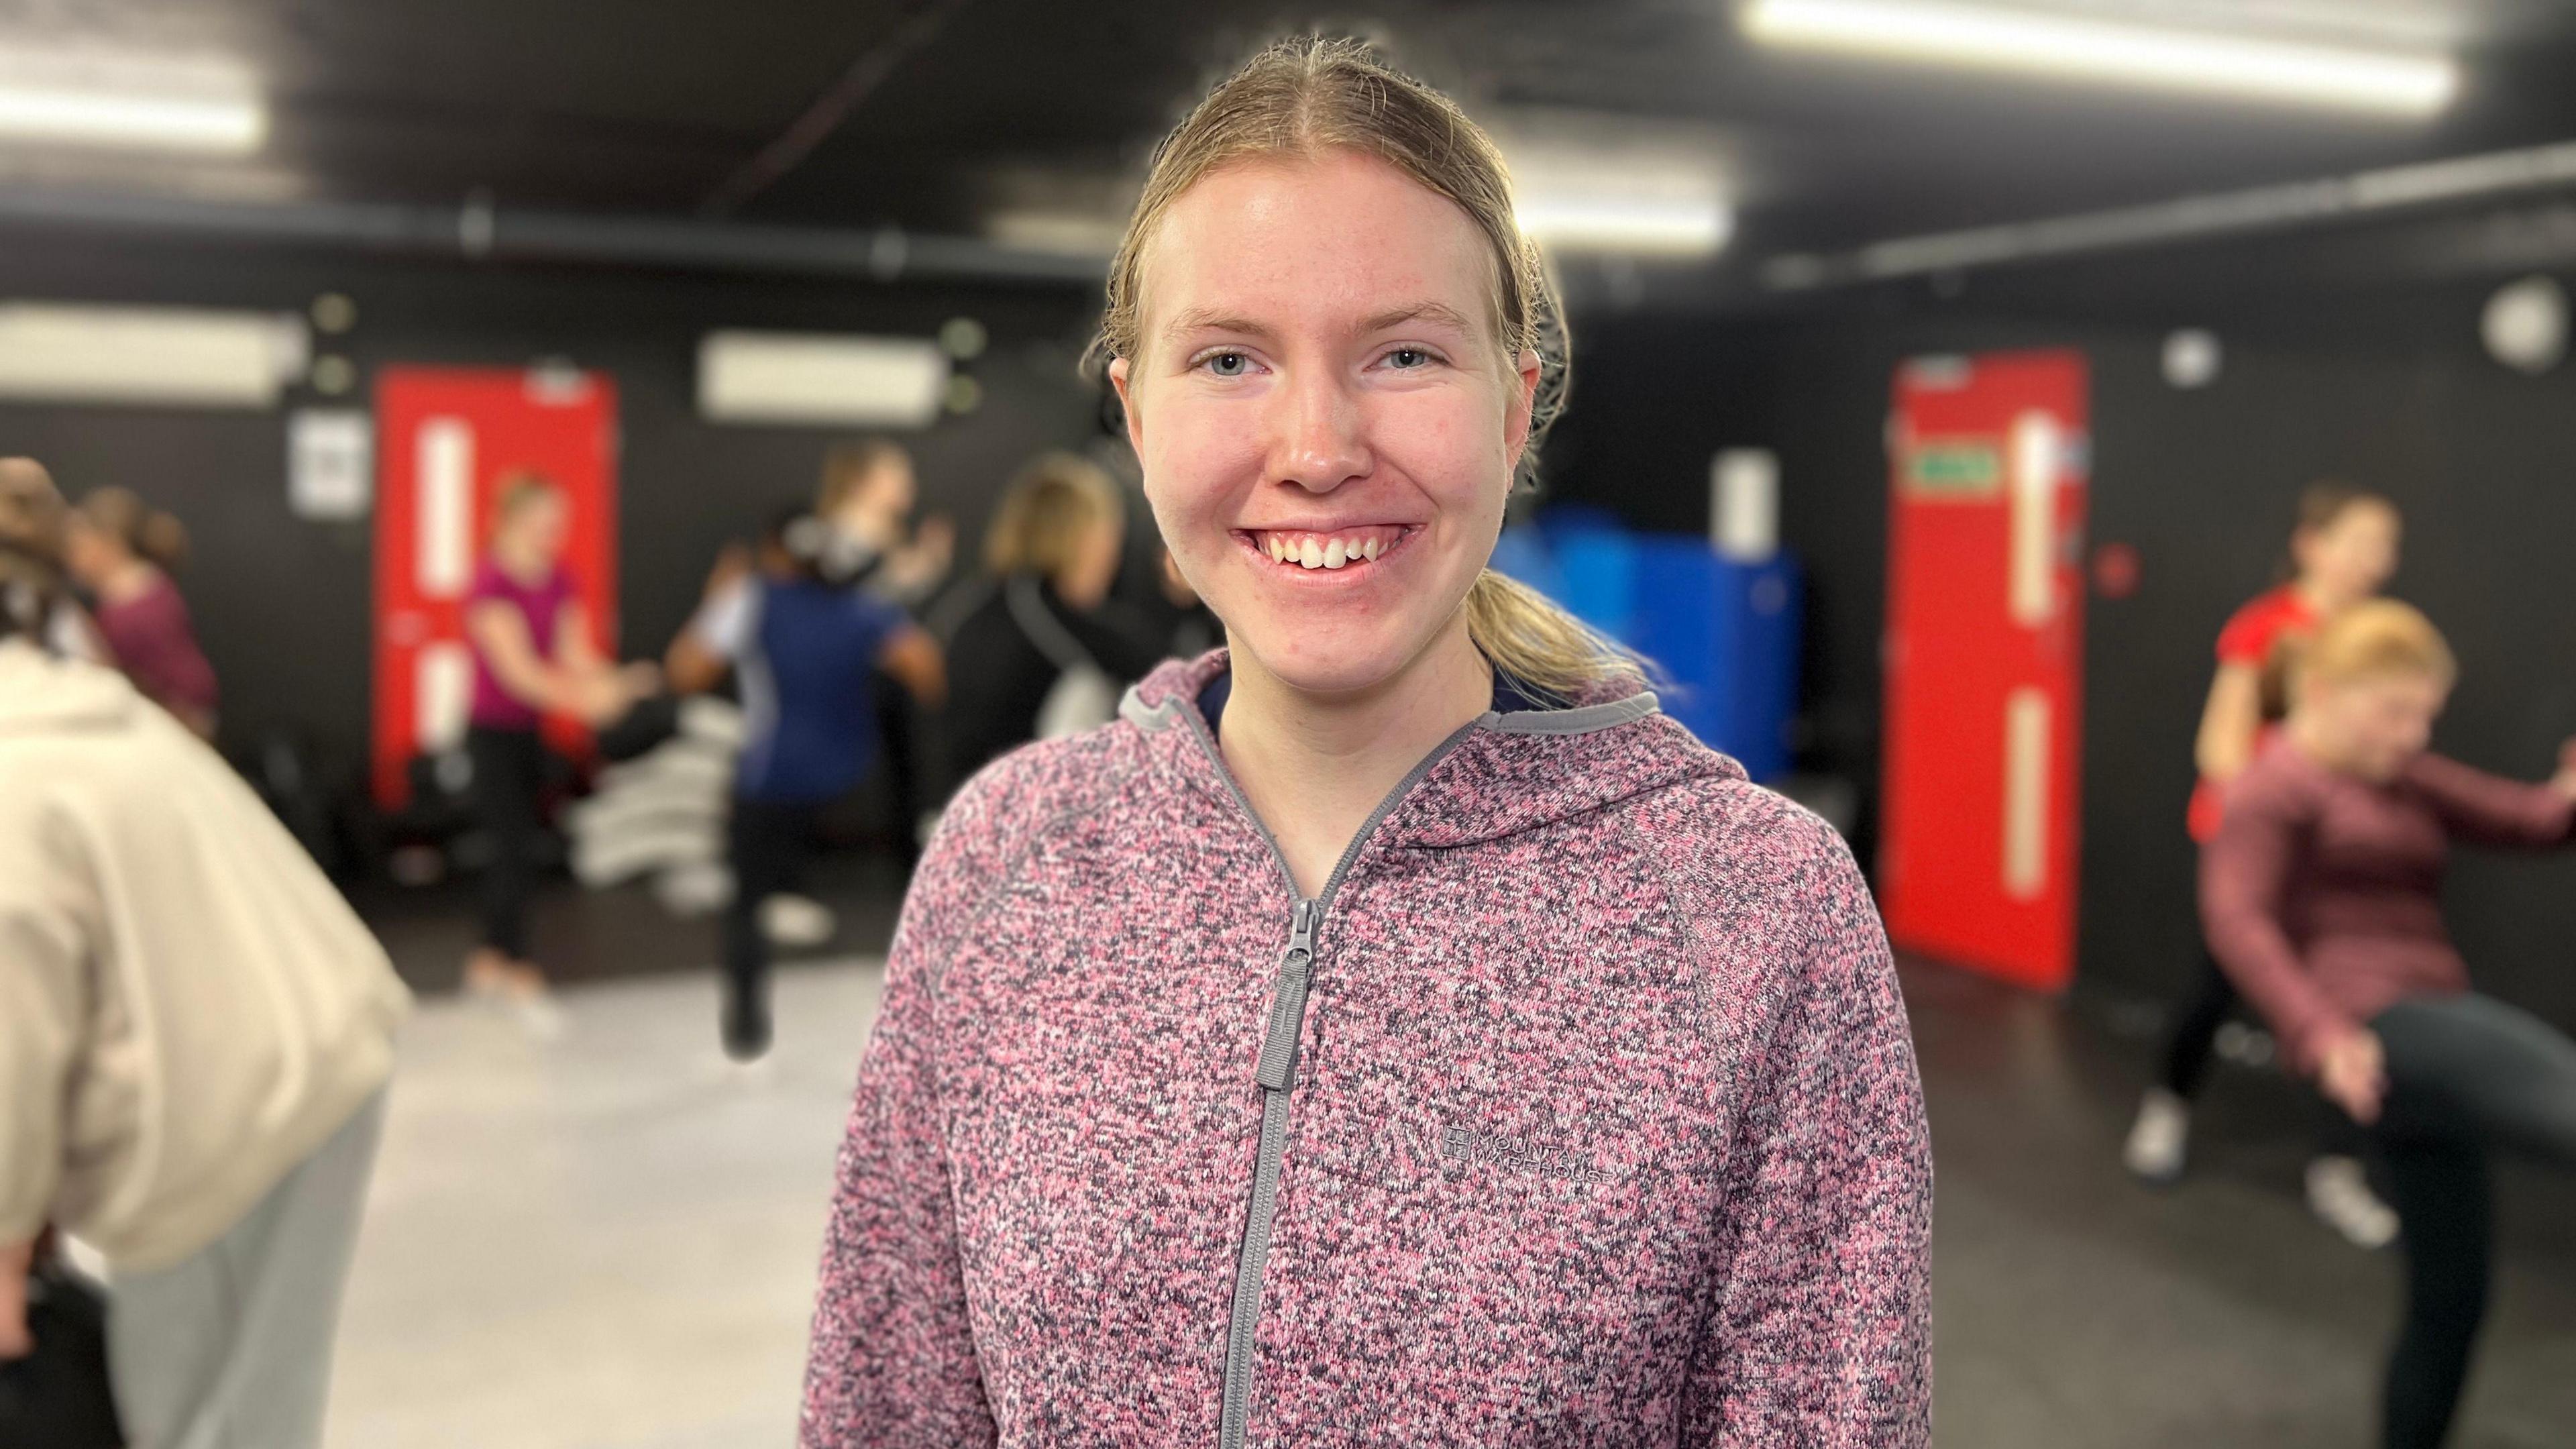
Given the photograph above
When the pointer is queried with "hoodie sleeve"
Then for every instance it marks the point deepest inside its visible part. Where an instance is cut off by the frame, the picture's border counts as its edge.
(892, 1360)
(44, 953)
(2245, 873)
(1821, 1330)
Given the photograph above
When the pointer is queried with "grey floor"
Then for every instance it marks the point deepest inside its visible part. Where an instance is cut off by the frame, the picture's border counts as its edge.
(607, 1241)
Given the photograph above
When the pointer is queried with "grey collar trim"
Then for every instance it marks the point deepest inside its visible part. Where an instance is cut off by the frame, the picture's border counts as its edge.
(1149, 718)
(1584, 721)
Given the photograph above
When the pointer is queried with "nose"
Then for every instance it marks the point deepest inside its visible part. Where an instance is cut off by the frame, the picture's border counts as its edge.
(1320, 433)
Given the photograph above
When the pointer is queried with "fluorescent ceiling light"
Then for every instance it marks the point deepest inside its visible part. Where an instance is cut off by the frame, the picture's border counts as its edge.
(94, 97)
(2068, 47)
(1635, 225)
(93, 118)
(1591, 189)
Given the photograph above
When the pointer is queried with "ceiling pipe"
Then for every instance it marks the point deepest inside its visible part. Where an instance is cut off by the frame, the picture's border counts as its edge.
(2191, 218)
(480, 232)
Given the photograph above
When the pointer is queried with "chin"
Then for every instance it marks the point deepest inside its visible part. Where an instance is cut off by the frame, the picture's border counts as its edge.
(1326, 664)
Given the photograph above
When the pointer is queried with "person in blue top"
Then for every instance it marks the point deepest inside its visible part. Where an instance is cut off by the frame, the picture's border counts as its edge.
(802, 646)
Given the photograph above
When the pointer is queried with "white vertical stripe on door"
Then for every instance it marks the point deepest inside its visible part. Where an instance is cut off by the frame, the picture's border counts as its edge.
(444, 467)
(2026, 721)
(442, 692)
(2037, 445)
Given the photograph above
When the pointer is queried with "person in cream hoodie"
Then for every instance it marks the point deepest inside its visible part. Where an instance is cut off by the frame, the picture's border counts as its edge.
(195, 1037)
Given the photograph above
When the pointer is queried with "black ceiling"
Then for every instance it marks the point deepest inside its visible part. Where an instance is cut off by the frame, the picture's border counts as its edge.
(660, 105)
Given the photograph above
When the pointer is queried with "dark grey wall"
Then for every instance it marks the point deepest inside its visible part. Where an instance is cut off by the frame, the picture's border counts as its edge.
(2386, 388)
(282, 604)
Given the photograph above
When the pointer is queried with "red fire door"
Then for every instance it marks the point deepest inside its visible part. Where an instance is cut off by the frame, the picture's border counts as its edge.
(445, 439)
(1977, 850)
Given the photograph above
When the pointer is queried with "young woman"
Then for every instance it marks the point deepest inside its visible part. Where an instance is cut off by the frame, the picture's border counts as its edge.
(124, 553)
(2343, 551)
(865, 502)
(195, 1035)
(2321, 894)
(807, 652)
(534, 655)
(1053, 549)
(1393, 1029)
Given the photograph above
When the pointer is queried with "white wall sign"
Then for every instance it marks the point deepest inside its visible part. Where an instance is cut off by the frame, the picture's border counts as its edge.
(330, 463)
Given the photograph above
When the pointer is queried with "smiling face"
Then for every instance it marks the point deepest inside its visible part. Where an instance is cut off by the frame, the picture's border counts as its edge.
(2374, 726)
(1327, 421)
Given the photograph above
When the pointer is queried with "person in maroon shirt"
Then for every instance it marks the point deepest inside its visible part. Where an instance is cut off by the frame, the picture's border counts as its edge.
(123, 552)
(534, 655)
(2321, 896)
(2342, 552)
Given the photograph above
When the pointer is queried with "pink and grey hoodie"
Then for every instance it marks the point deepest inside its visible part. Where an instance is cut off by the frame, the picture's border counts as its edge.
(1577, 1108)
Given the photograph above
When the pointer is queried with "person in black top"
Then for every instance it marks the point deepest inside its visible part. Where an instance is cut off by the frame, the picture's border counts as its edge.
(1039, 653)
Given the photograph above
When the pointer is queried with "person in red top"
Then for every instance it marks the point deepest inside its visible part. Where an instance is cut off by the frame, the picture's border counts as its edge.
(2321, 897)
(2342, 552)
(123, 552)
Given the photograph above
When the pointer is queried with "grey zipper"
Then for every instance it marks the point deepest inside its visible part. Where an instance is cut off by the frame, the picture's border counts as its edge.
(1277, 1073)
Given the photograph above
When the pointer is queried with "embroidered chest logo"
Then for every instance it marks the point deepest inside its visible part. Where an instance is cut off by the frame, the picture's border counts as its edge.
(1515, 1152)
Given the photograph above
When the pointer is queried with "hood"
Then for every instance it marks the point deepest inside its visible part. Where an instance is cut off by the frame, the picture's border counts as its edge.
(1509, 773)
(40, 694)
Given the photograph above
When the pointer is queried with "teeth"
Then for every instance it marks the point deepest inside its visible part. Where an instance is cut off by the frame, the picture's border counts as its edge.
(1329, 553)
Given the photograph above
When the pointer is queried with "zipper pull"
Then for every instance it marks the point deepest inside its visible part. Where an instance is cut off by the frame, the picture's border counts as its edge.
(1278, 1069)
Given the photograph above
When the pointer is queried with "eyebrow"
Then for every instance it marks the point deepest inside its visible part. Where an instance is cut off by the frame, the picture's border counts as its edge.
(1435, 312)
(1209, 319)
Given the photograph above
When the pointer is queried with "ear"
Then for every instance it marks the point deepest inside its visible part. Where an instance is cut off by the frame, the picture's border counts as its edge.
(1123, 380)
(1516, 417)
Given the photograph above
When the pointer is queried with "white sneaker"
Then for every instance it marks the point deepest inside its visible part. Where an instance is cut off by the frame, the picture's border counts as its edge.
(797, 921)
(2339, 1194)
(2161, 1137)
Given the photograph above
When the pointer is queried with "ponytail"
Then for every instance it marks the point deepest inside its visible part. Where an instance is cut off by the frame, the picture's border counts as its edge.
(1529, 638)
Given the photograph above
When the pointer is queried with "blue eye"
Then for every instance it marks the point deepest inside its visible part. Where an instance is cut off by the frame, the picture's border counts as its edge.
(1226, 364)
(1404, 359)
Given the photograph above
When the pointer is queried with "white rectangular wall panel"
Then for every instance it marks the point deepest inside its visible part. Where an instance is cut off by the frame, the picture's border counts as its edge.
(817, 379)
(148, 356)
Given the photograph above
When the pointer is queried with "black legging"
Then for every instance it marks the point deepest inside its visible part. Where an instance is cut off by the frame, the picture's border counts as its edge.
(2195, 1032)
(769, 844)
(2466, 1074)
(509, 771)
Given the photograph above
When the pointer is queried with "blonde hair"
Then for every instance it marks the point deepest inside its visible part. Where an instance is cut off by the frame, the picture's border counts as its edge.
(32, 515)
(2373, 640)
(138, 527)
(848, 467)
(1307, 96)
(1038, 528)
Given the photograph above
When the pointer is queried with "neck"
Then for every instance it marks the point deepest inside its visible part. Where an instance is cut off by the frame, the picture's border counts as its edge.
(126, 580)
(1315, 766)
(525, 567)
(2318, 596)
